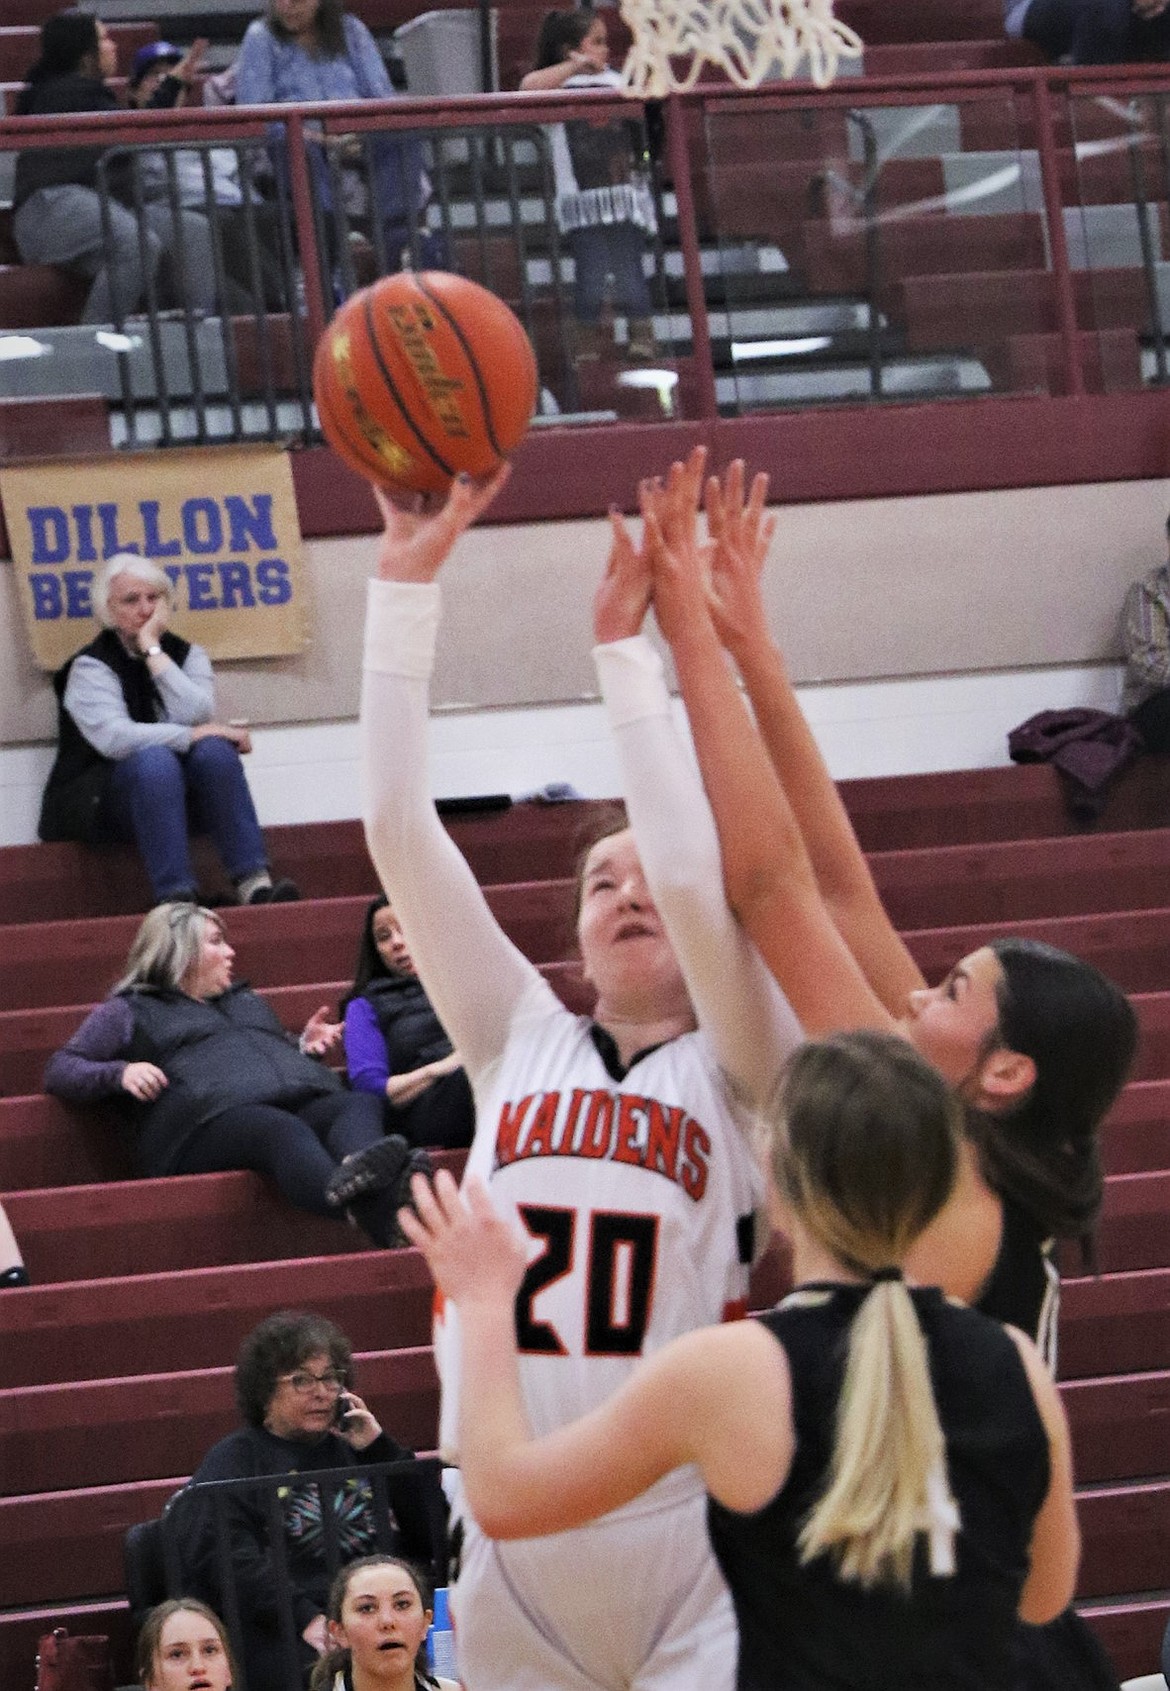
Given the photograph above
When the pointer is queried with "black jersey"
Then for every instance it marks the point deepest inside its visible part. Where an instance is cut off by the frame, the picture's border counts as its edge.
(804, 1629)
(1023, 1288)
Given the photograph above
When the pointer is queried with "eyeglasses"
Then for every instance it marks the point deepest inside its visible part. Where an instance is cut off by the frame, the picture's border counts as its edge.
(303, 1383)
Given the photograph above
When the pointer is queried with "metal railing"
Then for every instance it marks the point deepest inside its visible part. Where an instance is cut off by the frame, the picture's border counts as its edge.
(213, 1536)
(332, 197)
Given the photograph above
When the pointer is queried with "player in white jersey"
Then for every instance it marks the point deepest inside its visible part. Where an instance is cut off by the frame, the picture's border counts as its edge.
(621, 1144)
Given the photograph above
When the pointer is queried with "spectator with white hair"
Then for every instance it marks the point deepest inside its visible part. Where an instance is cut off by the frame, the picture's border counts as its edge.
(140, 755)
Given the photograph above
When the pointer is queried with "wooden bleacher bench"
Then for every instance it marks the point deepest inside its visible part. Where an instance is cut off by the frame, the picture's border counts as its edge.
(89, 1358)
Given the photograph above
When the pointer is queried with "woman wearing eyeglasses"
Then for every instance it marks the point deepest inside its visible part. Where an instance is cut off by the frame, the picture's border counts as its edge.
(300, 1417)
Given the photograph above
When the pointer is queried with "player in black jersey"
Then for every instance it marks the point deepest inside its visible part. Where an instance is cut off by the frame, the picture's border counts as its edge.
(888, 1471)
(1037, 1042)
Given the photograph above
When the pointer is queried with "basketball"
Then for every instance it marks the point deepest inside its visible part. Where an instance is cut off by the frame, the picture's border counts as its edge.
(422, 376)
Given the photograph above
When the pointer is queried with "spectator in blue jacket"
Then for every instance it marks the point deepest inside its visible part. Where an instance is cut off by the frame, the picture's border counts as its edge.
(312, 50)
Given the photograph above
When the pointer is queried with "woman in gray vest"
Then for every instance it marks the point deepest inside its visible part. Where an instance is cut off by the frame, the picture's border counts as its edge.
(211, 1080)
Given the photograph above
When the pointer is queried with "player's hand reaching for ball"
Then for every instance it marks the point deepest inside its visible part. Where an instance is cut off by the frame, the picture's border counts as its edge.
(680, 562)
(622, 600)
(473, 1253)
(419, 534)
(741, 535)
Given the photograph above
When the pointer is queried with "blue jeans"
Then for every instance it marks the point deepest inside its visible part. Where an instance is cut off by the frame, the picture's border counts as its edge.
(599, 251)
(155, 795)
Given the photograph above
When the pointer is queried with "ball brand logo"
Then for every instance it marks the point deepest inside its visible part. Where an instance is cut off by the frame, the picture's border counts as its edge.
(414, 325)
(396, 457)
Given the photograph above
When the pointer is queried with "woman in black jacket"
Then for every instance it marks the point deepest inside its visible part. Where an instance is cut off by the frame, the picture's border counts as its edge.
(396, 1046)
(301, 1417)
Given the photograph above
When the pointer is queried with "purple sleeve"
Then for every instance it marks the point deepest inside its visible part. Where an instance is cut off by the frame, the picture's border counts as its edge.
(90, 1065)
(366, 1058)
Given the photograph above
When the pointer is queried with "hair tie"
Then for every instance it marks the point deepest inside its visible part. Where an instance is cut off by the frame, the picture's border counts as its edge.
(880, 1275)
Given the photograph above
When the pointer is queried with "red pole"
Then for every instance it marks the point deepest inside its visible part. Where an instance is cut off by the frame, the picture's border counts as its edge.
(688, 240)
(302, 199)
(1066, 301)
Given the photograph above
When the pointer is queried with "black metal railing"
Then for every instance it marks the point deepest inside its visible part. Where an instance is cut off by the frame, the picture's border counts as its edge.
(300, 1529)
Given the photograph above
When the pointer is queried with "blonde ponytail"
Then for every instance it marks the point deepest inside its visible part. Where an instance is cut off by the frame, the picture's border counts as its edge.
(866, 1149)
(888, 1448)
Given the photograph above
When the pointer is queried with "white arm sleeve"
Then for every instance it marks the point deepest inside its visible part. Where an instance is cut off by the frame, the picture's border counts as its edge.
(737, 1002)
(475, 977)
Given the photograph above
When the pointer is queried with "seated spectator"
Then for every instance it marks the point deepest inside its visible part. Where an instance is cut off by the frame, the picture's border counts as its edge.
(12, 1269)
(1145, 632)
(308, 50)
(163, 74)
(379, 1612)
(395, 1045)
(58, 212)
(293, 1388)
(139, 753)
(1092, 32)
(211, 1080)
(183, 1645)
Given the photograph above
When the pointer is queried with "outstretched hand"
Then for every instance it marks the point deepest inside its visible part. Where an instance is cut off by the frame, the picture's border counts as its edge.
(622, 600)
(320, 1033)
(473, 1253)
(680, 562)
(418, 536)
(741, 535)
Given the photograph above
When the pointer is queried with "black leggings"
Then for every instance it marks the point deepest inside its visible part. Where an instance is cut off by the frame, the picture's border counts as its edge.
(443, 1115)
(297, 1148)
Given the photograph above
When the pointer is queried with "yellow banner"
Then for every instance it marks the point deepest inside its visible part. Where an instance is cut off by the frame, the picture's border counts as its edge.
(221, 522)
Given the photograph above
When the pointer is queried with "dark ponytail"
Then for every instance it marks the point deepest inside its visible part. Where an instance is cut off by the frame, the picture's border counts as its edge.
(1080, 1031)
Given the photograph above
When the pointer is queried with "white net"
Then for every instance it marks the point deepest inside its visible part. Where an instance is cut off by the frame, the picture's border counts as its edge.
(749, 40)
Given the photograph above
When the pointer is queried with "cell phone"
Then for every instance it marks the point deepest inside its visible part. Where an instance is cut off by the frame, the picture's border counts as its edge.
(342, 1409)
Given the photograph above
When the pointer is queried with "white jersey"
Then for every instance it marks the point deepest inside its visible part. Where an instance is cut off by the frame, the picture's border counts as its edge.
(637, 1193)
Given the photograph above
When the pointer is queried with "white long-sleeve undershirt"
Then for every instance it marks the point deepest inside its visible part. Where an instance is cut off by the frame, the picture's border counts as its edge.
(478, 981)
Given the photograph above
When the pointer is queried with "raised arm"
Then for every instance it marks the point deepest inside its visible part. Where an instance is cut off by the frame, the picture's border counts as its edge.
(475, 977)
(742, 535)
(686, 1404)
(768, 875)
(736, 1000)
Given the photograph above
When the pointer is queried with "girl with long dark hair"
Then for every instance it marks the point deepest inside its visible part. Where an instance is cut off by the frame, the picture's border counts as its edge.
(395, 1045)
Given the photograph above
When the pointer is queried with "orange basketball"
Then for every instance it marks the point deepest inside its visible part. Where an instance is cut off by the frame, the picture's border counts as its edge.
(422, 376)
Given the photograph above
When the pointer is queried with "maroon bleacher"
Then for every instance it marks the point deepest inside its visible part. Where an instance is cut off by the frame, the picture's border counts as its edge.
(115, 1367)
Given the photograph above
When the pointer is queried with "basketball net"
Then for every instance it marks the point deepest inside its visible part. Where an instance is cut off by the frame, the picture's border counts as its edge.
(749, 40)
